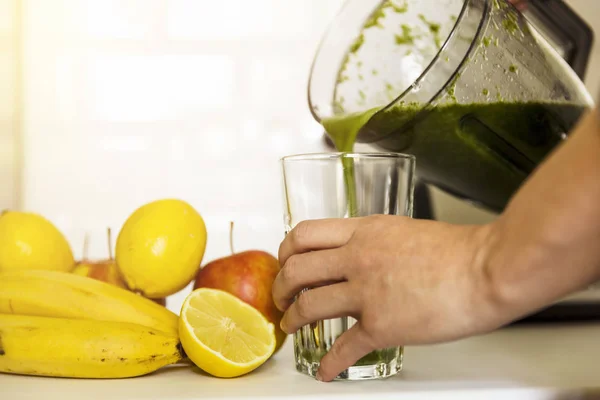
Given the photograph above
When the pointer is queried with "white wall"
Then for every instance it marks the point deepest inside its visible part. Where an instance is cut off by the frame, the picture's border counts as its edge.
(8, 100)
(129, 101)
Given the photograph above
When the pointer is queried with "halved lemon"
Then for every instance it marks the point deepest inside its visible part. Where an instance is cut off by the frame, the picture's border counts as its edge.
(223, 335)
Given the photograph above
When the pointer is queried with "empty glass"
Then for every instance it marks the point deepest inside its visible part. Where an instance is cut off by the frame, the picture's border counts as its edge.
(345, 185)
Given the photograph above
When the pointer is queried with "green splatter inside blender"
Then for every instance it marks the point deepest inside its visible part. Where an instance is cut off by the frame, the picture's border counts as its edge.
(434, 28)
(357, 43)
(374, 19)
(451, 90)
(406, 37)
(379, 13)
(400, 9)
(511, 22)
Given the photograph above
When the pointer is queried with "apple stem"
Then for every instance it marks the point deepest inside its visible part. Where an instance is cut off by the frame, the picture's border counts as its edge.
(108, 234)
(231, 237)
(86, 239)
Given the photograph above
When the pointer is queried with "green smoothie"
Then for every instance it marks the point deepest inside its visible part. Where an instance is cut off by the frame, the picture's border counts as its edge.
(484, 150)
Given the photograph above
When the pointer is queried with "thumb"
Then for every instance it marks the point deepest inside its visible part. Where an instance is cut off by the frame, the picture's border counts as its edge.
(347, 349)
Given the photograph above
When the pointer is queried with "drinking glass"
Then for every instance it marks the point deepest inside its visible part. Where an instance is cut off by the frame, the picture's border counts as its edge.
(345, 185)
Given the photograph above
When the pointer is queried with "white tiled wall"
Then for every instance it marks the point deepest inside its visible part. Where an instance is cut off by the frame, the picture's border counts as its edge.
(126, 101)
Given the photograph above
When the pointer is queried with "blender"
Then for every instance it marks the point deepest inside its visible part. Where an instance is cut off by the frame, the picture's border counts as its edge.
(466, 86)
(469, 87)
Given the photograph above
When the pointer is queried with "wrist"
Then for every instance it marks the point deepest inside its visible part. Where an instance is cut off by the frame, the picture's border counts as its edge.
(525, 270)
(492, 297)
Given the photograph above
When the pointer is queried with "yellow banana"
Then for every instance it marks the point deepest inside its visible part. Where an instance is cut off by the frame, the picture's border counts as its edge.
(66, 295)
(77, 348)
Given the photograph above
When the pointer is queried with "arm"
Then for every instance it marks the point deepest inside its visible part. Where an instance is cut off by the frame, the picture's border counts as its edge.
(451, 281)
(547, 242)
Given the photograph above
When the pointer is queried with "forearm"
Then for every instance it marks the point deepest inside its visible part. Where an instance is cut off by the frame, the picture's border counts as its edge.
(547, 242)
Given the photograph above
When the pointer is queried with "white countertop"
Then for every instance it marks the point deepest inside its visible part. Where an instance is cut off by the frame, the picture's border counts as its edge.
(533, 362)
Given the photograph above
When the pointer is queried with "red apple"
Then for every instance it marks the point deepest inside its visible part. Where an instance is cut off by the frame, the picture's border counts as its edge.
(248, 275)
(102, 270)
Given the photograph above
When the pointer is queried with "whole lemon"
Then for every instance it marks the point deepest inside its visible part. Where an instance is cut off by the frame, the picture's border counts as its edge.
(160, 247)
(30, 241)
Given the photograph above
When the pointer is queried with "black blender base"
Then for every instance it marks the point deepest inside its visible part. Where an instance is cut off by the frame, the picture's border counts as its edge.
(561, 313)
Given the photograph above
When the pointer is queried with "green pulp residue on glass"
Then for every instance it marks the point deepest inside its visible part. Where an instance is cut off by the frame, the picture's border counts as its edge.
(434, 28)
(451, 89)
(357, 43)
(511, 22)
(342, 79)
(379, 13)
(374, 19)
(406, 37)
(400, 9)
(510, 25)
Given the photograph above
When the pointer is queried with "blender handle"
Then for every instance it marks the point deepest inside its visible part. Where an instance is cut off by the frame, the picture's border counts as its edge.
(558, 18)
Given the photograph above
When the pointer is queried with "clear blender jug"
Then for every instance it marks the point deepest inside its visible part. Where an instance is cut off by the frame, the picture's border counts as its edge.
(464, 85)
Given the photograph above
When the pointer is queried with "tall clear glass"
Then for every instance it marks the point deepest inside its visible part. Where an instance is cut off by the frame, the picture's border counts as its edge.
(345, 185)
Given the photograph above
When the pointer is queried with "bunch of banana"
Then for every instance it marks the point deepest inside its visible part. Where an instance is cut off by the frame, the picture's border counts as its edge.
(60, 324)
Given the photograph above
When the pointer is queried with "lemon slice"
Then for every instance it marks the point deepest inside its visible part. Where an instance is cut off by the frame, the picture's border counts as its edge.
(223, 335)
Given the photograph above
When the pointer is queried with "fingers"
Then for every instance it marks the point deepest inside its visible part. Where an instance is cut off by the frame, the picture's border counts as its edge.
(307, 270)
(316, 235)
(321, 303)
(348, 348)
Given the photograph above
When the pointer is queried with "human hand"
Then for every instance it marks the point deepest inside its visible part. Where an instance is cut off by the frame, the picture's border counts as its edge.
(406, 281)
(521, 5)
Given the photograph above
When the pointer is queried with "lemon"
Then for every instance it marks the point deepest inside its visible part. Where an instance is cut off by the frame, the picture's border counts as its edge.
(30, 241)
(160, 247)
(223, 335)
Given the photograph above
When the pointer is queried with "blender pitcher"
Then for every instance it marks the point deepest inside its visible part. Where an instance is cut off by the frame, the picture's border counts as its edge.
(463, 85)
